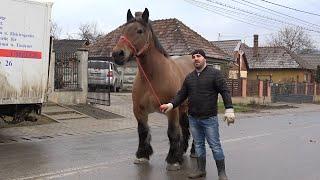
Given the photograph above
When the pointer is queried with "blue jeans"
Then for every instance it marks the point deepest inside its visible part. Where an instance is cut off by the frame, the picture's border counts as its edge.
(202, 129)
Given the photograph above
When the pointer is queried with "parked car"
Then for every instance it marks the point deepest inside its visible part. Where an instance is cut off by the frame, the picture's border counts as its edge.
(104, 74)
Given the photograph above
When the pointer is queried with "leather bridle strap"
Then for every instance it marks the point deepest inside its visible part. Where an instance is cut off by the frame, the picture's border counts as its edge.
(137, 55)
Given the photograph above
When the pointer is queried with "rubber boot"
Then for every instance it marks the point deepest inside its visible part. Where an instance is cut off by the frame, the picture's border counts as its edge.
(221, 170)
(200, 170)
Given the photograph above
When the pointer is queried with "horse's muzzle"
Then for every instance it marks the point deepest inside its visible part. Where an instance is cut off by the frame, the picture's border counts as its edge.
(118, 57)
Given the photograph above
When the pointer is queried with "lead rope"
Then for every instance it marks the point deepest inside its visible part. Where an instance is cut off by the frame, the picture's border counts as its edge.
(123, 38)
(146, 77)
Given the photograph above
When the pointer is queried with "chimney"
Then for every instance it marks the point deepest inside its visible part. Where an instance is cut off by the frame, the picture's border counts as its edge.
(255, 45)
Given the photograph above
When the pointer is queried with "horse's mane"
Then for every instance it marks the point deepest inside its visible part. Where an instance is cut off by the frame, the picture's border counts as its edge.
(154, 37)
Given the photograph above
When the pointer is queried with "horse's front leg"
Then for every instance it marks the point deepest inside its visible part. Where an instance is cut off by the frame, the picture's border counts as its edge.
(144, 149)
(174, 157)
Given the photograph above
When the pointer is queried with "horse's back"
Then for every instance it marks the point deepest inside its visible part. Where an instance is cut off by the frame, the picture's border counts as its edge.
(185, 63)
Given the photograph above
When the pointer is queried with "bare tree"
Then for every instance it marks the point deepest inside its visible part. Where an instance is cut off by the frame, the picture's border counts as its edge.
(89, 32)
(293, 38)
(55, 30)
(69, 36)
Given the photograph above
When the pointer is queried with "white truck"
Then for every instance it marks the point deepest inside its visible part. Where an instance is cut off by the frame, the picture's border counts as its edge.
(24, 57)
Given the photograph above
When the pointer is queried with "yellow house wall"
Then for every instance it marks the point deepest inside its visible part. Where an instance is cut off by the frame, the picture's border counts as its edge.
(279, 76)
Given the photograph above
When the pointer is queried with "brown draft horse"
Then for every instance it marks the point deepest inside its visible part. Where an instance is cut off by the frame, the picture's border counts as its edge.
(165, 76)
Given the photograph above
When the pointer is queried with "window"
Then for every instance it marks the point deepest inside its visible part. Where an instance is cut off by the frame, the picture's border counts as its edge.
(216, 66)
(98, 64)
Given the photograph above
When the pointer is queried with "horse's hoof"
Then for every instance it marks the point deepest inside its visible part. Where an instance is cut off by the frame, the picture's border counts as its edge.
(193, 155)
(173, 167)
(140, 161)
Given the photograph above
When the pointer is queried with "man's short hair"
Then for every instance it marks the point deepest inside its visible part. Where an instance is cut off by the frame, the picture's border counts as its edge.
(199, 51)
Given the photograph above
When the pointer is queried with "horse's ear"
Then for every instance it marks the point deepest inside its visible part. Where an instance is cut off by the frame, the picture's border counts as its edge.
(145, 15)
(129, 16)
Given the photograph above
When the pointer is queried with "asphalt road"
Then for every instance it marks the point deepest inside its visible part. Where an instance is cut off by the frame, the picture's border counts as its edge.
(267, 147)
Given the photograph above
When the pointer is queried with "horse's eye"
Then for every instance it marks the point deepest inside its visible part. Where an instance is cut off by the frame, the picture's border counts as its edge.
(140, 31)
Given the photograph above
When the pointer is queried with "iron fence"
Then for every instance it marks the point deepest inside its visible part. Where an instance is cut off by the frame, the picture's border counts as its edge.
(253, 87)
(296, 88)
(293, 92)
(301, 88)
(310, 89)
(235, 87)
(266, 84)
(66, 71)
(286, 88)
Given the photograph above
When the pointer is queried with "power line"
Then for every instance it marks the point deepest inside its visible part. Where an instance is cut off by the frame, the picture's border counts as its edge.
(266, 17)
(217, 11)
(250, 17)
(247, 14)
(205, 6)
(301, 20)
(291, 8)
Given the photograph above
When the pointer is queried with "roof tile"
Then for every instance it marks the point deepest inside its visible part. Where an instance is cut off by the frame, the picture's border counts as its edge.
(272, 58)
(227, 46)
(175, 37)
(68, 45)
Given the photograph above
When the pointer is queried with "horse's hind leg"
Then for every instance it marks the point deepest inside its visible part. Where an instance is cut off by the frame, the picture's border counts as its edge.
(174, 157)
(184, 123)
(144, 150)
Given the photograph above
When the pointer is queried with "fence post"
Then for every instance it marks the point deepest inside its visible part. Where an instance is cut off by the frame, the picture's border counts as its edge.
(244, 87)
(314, 91)
(306, 89)
(51, 73)
(268, 89)
(295, 91)
(82, 54)
(260, 88)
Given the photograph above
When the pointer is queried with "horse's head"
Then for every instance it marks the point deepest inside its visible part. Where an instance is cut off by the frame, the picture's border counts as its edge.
(135, 39)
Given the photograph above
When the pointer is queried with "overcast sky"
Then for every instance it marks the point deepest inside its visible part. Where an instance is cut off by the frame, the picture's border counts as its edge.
(208, 21)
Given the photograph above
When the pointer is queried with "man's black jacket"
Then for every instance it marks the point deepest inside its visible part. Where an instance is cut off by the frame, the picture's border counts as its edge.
(202, 92)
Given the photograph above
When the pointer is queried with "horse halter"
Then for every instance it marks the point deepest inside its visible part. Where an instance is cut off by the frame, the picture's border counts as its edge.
(136, 54)
(125, 40)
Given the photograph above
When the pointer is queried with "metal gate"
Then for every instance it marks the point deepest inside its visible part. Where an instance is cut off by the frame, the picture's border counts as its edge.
(66, 73)
(96, 94)
(102, 98)
(291, 92)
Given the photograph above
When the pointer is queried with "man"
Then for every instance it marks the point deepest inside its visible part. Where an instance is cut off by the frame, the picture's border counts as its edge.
(201, 87)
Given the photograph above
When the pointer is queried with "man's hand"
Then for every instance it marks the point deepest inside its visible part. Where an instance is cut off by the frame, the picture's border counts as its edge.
(229, 116)
(166, 107)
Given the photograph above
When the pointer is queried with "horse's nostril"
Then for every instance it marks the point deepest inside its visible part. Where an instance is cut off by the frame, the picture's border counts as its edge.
(118, 54)
(115, 54)
(121, 54)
